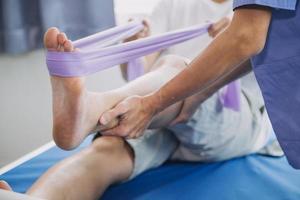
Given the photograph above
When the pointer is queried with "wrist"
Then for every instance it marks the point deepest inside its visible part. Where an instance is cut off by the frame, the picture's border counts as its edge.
(153, 103)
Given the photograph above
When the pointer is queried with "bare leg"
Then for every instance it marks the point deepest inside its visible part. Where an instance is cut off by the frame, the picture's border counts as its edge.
(76, 111)
(87, 174)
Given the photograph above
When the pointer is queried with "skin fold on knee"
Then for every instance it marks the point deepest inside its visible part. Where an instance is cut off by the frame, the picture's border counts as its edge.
(120, 154)
(111, 144)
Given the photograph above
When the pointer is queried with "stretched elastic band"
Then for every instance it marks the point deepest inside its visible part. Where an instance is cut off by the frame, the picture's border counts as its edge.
(100, 51)
(103, 50)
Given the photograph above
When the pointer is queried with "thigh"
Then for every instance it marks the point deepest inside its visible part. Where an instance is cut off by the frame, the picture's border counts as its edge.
(217, 133)
(152, 149)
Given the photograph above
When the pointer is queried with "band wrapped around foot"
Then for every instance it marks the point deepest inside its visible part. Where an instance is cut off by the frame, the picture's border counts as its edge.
(104, 50)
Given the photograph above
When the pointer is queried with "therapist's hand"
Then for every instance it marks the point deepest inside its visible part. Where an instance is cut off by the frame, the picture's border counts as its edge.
(218, 27)
(135, 114)
(145, 32)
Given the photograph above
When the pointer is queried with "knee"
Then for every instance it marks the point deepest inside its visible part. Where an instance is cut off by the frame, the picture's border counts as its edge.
(108, 144)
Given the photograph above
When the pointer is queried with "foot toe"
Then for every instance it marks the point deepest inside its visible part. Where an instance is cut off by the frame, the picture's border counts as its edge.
(50, 38)
(61, 38)
(68, 46)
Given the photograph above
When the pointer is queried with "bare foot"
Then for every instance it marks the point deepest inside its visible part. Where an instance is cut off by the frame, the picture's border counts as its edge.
(75, 110)
(7, 193)
(4, 186)
(68, 96)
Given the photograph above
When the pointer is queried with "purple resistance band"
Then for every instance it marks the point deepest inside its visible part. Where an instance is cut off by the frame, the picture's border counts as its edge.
(104, 50)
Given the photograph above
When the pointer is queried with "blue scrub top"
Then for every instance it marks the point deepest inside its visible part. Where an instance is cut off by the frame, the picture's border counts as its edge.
(277, 70)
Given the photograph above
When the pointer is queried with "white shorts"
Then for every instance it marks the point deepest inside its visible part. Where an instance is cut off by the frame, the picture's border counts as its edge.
(214, 133)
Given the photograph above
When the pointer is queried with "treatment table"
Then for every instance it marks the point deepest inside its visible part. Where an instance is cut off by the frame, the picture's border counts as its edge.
(250, 177)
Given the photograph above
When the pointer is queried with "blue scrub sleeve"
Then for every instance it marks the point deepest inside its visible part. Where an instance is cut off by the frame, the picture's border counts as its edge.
(277, 4)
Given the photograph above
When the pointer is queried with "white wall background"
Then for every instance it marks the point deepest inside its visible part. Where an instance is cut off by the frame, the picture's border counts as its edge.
(133, 8)
(25, 98)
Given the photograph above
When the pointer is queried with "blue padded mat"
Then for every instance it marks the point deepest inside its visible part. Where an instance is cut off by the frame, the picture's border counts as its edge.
(251, 177)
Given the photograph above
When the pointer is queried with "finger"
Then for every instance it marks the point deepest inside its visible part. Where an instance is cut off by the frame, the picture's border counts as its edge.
(117, 131)
(127, 137)
(108, 116)
(176, 121)
(147, 27)
(182, 118)
(138, 132)
(145, 32)
(222, 24)
(145, 23)
(132, 135)
(112, 124)
(137, 135)
(212, 30)
(142, 33)
(109, 132)
(217, 27)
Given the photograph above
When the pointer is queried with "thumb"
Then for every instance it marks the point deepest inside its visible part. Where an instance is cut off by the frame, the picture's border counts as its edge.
(175, 121)
(108, 116)
(179, 116)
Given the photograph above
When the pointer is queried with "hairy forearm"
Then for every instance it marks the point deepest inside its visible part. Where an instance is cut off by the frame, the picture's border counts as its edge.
(220, 62)
(165, 117)
(237, 73)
